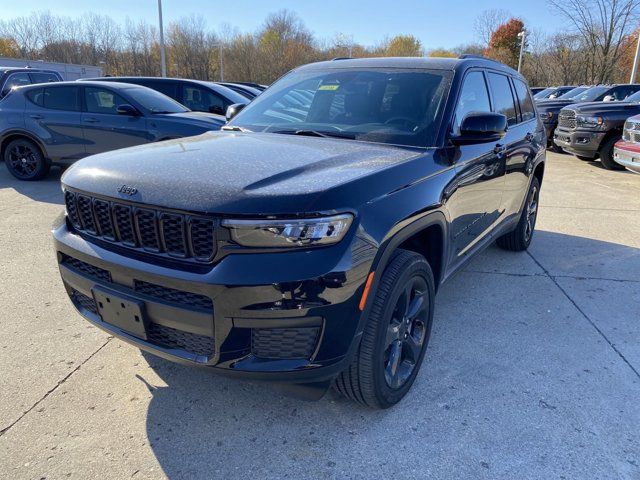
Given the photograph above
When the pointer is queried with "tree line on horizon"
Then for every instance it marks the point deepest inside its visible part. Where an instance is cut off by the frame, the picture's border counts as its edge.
(597, 46)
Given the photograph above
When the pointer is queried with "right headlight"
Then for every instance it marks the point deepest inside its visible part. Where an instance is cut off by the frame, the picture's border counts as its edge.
(283, 233)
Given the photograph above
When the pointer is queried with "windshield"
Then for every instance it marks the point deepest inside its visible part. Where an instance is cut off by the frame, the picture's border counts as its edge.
(572, 93)
(544, 93)
(591, 94)
(395, 106)
(154, 101)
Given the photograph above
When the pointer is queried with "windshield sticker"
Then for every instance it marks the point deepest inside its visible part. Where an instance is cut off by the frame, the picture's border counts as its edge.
(329, 87)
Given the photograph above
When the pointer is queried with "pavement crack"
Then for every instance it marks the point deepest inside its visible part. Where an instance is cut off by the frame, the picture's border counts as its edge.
(593, 324)
(55, 387)
(546, 274)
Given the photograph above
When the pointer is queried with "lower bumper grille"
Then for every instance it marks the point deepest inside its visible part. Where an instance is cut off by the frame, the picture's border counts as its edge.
(287, 343)
(82, 301)
(171, 338)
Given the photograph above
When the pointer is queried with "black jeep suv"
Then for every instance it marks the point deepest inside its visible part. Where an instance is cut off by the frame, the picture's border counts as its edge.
(590, 130)
(305, 242)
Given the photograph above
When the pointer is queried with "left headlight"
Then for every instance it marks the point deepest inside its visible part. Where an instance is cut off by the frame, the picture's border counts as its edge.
(588, 121)
(304, 232)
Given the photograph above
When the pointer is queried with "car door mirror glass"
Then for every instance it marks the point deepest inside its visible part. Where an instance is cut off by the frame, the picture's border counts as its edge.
(233, 110)
(126, 109)
(481, 127)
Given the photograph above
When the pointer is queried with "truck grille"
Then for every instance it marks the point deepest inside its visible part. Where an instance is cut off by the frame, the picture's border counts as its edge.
(150, 230)
(631, 132)
(567, 119)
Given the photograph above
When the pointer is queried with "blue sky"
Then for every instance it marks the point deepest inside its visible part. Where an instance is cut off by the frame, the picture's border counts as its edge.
(437, 23)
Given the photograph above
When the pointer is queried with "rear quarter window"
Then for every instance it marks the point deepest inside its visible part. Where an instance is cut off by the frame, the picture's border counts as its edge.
(527, 110)
(36, 96)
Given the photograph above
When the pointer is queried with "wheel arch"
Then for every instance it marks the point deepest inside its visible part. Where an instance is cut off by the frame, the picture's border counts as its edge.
(12, 135)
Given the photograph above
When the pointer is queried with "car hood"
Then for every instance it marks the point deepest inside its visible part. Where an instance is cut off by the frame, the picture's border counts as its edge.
(234, 172)
(605, 107)
(201, 117)
(548, 105)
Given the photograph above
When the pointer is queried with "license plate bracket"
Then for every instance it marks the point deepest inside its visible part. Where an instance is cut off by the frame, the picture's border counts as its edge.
(121, 311)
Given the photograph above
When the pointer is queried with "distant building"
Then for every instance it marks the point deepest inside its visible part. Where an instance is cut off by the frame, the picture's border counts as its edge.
(69, 71)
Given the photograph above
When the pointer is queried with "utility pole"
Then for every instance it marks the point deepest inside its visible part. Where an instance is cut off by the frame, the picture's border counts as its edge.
(634, 71)
(163, 58)
(521, 36)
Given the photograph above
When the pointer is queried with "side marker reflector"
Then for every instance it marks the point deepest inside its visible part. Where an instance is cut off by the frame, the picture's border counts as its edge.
(365, 293)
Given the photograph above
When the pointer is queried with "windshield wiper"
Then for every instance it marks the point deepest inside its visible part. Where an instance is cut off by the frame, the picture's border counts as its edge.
(316, 133)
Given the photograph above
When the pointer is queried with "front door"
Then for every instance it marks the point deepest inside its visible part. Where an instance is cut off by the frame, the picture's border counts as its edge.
(104, 128)
(475, 194)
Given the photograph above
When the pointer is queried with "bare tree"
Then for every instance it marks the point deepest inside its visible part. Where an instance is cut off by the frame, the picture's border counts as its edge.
(603, 25)
(487, 22)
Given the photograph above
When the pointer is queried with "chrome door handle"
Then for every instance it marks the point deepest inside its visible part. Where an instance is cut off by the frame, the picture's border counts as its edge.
(36, 117)
(91, 120)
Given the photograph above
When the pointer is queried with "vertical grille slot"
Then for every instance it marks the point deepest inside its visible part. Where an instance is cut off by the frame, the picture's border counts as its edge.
(172, 227)
(202, 238)
(103, 217)
(72, 209)
(85, 212)
(124, 224)
(147, 229)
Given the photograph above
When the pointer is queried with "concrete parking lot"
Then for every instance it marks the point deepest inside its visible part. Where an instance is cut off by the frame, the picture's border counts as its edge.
(533, 370)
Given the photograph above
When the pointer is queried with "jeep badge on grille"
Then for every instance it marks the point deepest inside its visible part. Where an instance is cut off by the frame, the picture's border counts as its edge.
(128, 190)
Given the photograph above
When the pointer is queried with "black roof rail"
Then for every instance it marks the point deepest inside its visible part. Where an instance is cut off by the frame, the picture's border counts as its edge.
(341, 58)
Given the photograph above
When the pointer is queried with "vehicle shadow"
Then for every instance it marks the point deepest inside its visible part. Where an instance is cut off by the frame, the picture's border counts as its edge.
(46, 190)
(201, 425)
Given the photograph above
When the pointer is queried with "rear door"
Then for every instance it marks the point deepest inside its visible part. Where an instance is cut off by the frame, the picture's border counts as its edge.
(475, 195)
(104, 128)
(513, 144)
(53, 114)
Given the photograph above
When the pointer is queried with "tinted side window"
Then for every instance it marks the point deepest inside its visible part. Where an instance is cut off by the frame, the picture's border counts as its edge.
(502, 97)
(43, 77)
(101, 100)
(473, 98)
(36, 96)
(524, 98)
(16, 80)
(170, 89)
(623, 91)
(201, 100)
(62, 98)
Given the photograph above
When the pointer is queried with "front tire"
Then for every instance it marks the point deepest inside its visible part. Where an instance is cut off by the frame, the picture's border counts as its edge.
(25, 160)
(396, 334)
(606, 155)
(520, 238)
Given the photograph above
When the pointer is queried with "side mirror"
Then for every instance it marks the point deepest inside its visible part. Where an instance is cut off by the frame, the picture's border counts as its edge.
(609, 98)
(481, 127)
(126, 109)
(233, 110)
(216, 109)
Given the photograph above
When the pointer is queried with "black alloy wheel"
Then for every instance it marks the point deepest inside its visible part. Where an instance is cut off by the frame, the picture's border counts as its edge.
(396, 334)
(25, 161)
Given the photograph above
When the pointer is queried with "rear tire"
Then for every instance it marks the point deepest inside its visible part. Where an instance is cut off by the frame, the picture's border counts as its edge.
(25, 160)
(396, 334)
(520, 238)
(606, 155)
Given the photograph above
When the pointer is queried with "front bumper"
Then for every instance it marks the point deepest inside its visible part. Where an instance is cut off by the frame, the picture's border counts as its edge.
(283, 317)
(627, 154)
(579, 142)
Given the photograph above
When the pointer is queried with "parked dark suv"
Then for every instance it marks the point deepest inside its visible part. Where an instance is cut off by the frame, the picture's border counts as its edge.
(590, 130)
(304, 245)
(41, 125)
(196, 95)
(12, 77)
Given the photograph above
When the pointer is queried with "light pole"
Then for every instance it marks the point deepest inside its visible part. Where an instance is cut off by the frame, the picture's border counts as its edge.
(634, 71)
(521, 36)
(163, 58)
(221, 55)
